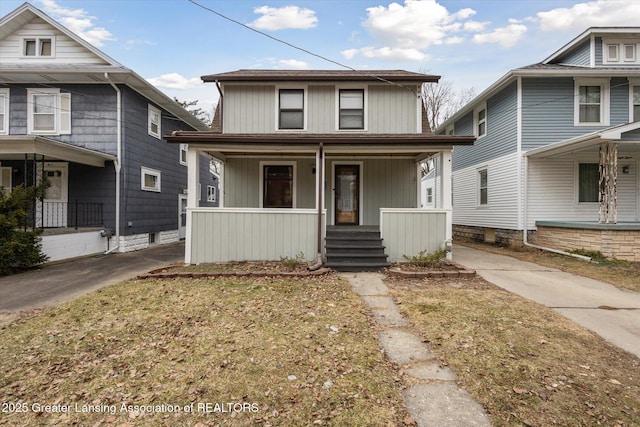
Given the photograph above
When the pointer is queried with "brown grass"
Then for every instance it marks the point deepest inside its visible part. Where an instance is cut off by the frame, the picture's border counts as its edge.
(523, 362)
(270, 352)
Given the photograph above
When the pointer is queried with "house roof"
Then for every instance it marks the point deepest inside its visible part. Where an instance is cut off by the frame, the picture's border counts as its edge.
(587, 35)
(106, 71)
(396, 76)
(15, 146)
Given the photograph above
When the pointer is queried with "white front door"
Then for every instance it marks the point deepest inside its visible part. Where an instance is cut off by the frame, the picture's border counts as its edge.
(182, 216)
(56, 197)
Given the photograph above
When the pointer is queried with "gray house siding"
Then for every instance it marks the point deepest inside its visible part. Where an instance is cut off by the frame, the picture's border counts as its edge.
(501, 137)
(94, 185)
(580, 55)
(619, 100)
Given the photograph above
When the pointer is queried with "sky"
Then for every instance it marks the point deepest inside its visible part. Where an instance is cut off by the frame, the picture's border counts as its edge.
(470, 43)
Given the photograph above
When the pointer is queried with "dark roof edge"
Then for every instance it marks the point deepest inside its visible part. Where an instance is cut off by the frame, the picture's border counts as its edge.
(396, 76)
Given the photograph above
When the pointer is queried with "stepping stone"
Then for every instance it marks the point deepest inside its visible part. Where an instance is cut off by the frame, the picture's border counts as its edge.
(403, 347)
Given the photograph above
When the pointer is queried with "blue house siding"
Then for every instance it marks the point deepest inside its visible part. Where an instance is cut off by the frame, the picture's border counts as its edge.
(501, 137)
(89, 184)
(619, 100)
(579, 55)
(207, 178)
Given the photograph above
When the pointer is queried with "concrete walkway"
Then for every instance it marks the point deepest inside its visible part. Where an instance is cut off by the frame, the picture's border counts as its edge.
(434, 399)
(606, 310)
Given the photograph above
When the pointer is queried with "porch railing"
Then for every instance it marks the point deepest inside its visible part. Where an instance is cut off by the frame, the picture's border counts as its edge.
(68, 214)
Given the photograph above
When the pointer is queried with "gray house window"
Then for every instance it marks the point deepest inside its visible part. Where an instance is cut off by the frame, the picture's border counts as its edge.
(588, 182)
(483, 187)
(291, 104)
(277, 186)
(351, 114)
(589, 100)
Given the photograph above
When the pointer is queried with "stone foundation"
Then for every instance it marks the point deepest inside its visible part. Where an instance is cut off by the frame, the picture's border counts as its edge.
(135, 242)
(498, 236)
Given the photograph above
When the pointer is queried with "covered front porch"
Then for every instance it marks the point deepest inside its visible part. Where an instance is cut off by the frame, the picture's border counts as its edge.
(583, 193)
(280, 194)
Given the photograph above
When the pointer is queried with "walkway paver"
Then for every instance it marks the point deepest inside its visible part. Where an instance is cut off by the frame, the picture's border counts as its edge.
(434, 398)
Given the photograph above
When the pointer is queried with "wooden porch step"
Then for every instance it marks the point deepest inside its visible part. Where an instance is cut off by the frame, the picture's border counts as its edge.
(355, 249)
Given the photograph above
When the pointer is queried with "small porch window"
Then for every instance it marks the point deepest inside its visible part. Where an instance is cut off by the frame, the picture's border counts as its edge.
(291, 105)
(588, 182)
(483, 187)
(183, 154)
(211, 193)
(636, 103)
(351, 115)
(278, 186)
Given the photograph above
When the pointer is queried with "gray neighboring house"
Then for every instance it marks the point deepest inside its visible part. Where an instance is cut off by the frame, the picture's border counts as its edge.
(322, 164)
(96, 130)
(556, 157)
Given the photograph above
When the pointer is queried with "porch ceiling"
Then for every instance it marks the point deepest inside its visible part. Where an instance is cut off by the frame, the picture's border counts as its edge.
(15, 148)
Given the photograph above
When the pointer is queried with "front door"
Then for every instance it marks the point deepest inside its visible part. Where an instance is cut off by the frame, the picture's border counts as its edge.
(56, 196)
(347, 194)
(182, 216)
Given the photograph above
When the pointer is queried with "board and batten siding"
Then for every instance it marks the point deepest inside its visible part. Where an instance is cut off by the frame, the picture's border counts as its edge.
(392, 109)
(502, 208)
(501, 137)
(321, 105)
(67, 51)
(229, 234)
(552, 193)
(249, 109)
(409, 232)
(243, 175)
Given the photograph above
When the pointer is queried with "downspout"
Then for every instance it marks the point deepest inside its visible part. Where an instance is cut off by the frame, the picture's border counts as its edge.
(318, 263)
(221, 104)
(525, 218)
(118, 163)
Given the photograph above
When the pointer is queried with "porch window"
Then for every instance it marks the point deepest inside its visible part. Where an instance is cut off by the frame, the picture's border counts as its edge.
(5, 179)
(636, 103)
(150, 179)
(429, 195)
(49, 111)
(483, 187)
(4, 111)
(291, 104)
(154, 117)
(351, 115)
(277, 186)
(588, 182)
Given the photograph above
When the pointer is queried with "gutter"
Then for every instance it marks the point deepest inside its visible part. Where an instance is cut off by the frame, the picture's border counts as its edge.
(118, 162)
(524, 225)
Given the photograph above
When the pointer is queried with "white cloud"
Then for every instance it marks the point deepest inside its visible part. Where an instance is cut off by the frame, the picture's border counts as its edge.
(293, 64)
(475, 26)
(506, 36)
(175, 81)
(288, 17)
(590, 14)
(78, 21)
(388, 53)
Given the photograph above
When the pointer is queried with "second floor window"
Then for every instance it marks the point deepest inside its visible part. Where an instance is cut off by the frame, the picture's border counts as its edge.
(154, 125)
(49, 111)
(591, 105)
(291, 105)
(351, 114)
(589, 99)
(38, 47)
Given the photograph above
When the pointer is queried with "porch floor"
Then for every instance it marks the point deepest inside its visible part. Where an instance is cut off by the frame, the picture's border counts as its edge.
(353, 228)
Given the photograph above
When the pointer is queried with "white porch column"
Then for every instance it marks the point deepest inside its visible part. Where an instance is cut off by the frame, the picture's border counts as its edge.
(193, 178)
(446, 196)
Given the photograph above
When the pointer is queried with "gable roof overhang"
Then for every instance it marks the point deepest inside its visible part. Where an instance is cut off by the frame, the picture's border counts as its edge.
(247, 75)
(14, 147)
(585, 36)
(589, 141)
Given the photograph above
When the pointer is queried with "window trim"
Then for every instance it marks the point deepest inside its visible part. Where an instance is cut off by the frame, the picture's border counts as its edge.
(479, 172)
(621, 50)
(340, 109)
(151, 110)
(477, 121)
(577, 163)
(365, 109)
(61, 116)
(633, 83)
(212, 195)
(4, 100)
(604, 101)
(38, 40)
(305, 92)
(154, 172)
(294, 178)
(184, 148)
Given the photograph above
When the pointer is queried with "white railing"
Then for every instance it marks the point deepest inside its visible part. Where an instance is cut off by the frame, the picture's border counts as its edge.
(248, 234)
(407, 232)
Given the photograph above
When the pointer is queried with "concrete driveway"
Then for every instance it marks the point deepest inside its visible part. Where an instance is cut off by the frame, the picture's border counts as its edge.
(608, 311)
(63, 281)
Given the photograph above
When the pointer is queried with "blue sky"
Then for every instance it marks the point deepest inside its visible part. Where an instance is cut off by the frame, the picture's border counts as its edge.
(471, 43)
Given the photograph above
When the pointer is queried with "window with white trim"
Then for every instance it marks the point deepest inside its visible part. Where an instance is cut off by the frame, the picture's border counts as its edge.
(619, 52)
(38, 47)
(150, 179)
(155, 122)
(278, 184)
(480, 121)
(49, 111)
(591, 102)
(635, 100)
(211, 193)
(183, 154)
(4, 111)
(483, 187)
(588, 182)
(430, 195)
(291, 109)
(351, 109)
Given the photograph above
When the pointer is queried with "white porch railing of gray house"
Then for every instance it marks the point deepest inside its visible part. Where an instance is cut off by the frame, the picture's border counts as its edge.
(247, 234)
(407, 232)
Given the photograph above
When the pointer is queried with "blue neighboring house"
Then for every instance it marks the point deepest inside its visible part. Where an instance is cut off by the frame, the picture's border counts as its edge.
(555, 162)
(96, 130)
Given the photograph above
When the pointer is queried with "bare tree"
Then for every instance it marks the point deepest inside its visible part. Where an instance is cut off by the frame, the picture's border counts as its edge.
(442, 101)
(191, 106)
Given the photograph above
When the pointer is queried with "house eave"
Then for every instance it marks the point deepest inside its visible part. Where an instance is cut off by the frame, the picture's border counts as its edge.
(17, 146)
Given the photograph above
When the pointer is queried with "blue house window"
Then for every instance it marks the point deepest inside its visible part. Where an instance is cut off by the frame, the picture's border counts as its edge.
(588, 182)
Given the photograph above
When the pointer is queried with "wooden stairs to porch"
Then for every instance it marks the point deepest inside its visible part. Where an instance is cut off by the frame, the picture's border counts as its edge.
(354, 248)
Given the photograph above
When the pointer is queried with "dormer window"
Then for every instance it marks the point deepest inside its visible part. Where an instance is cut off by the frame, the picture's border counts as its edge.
(38, 47)
(619, 52)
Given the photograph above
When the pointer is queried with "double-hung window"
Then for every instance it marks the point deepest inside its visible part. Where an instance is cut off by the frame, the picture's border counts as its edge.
(483, 187)
(588, 182)
(291, 109)
(154, 117)
(635, 101)
(49, 111)
(591, 102)
(278, 185)
(480, 121)
(4, 111)
(351, 109)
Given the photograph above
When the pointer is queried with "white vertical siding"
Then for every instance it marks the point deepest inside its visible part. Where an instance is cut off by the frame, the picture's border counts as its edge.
(502, 209)
(392, 109)
(411, 231)
(222, 235)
